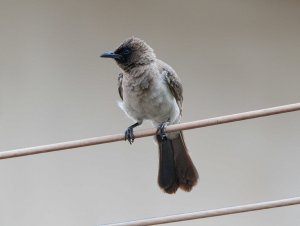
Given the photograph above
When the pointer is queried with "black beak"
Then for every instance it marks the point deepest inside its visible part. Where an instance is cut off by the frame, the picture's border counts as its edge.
(111, 55)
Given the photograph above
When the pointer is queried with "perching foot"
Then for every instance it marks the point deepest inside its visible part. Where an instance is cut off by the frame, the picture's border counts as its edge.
(129, 133)
(162, 131)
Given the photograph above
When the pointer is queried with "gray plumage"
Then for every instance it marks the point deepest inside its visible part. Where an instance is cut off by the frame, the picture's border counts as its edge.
(151, 90)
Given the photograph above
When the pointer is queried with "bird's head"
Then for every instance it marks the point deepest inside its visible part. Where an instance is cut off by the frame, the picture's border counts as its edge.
(133, 52)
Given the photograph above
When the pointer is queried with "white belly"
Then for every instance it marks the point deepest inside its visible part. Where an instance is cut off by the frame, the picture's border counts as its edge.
(155, 103)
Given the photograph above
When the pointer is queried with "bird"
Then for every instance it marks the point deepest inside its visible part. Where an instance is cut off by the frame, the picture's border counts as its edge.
(151, 90)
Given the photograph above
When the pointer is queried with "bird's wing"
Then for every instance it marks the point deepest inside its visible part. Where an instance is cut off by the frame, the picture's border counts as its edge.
(173, 82)
(120, 88)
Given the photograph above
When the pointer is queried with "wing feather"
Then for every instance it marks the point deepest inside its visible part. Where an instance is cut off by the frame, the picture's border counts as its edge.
(174, 84)
(120, 88)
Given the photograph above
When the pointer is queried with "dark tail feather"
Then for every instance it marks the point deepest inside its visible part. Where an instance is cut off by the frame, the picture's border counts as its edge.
(186, 172)
(167, 179)
(176, 168)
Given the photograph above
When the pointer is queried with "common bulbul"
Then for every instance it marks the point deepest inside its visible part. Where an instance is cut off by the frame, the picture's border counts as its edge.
(151, 90)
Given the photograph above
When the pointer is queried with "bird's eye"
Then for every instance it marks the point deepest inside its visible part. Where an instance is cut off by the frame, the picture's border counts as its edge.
(126, 51)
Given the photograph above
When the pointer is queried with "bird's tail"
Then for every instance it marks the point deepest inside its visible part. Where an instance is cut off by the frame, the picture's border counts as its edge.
(176, 168)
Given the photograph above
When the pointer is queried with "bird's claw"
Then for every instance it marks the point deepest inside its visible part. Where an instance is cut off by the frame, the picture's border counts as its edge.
(162, 131)
(129, 135)
(129, 132)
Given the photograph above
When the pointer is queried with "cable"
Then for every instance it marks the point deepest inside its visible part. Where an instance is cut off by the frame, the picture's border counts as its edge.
(149, 132)
(212, 213)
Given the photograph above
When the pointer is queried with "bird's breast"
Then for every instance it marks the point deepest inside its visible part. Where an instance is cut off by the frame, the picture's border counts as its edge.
(149, 99)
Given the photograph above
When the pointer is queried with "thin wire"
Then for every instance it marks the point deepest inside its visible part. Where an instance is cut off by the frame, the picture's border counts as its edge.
(212, 213)
(149, 132)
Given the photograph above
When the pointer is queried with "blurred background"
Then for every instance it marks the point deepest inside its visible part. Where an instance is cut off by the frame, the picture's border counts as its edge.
(232, 56)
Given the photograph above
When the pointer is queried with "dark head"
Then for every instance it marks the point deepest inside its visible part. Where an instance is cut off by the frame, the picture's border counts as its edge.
(133, 52)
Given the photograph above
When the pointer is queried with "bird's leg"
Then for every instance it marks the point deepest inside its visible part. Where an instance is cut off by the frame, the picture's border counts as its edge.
(162, 130)
(129, 132)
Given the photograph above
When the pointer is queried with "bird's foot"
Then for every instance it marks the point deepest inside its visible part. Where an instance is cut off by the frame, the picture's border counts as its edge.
(129, 133)
(162, 131)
